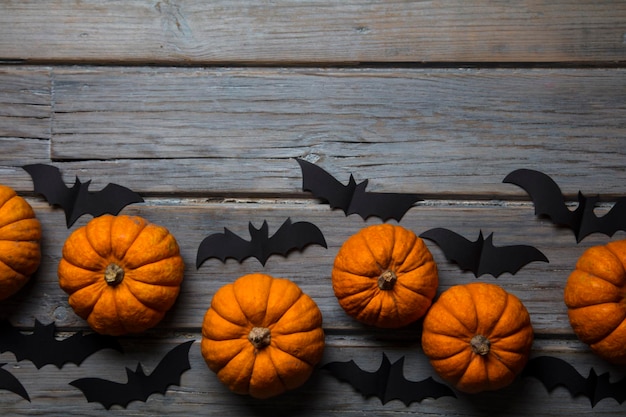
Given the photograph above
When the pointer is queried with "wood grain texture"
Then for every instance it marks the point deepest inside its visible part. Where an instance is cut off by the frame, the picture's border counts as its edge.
(202, 107)
(540, 285)
(319, 31)
(237, 131)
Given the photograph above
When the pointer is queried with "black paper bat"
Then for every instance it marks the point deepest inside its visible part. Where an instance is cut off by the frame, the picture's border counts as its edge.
(388, 382)
(42, 348)
(10, 383)
(77, 200)
(139, 386)
(353, 198)
(554, 372)
(549, 202)
(289, 236)
(481, 256)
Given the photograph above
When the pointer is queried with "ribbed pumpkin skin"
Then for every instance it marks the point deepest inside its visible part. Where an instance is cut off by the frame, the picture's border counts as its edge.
(595, 295)
(153, 272)
(365, 257)
(296, 341)
(20, 236)
(464, 312)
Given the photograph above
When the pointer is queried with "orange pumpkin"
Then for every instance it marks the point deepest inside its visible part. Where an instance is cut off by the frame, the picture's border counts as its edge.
(477, 337)
(385, 276)
(122, 273)
(262, 335)
(20, 235)
(595, 295)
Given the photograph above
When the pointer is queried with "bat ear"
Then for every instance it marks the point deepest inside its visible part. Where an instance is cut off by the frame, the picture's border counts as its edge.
(138, 371)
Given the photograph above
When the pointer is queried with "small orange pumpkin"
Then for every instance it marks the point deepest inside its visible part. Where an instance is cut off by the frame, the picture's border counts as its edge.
(20, 236)
(262, 335)
(595, 296)
(477, 337)
(385, 276)
(122, 273)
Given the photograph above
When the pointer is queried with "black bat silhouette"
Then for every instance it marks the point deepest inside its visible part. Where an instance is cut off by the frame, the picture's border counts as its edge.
(289, 236)
(549, 201)
(10, 383)
(353, 198)
(388, 382)
(42, 348)
(554, 372)
(139, 386)
(481, 256)
(77, 200)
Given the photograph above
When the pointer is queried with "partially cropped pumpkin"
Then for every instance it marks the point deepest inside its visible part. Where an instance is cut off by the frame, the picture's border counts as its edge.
(122, 273)
(595, 295)
(20, 235)
(477, 337)
(262, 335)
(385, 276)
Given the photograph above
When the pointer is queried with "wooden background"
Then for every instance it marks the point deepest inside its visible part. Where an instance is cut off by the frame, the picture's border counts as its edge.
(203, 106)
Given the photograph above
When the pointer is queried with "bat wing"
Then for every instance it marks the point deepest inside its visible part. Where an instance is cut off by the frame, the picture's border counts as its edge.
(10, 383)
(553, 372)
(222, 246)
(497, 260)
(383, 205)
(48, 181)
(139, 385)
(107, 393)
(545, 194)
(608, 224)
(76, 348)
(369, 384)
(293, 236)
(326, 187)
(607, 389)
(170, 369)
(388, 382)
(400, 388)
(42, 348)
(456, 248)
(110, 200)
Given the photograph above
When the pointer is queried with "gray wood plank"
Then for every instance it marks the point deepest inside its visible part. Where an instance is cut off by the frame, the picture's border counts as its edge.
(200, 392)
(443, 131)
(25, 108)
(539, 285)
(320, 31)
(122, 125)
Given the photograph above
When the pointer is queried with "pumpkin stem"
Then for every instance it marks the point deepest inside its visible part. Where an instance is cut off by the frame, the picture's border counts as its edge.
(260, 337)
(480, 345)
(386, 280)
(113, 274)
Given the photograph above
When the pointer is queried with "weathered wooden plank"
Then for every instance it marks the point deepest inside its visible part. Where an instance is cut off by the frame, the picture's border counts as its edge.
(188, 113)
(443, 131)
(481, 177)
(25, 108)
(539, 285)
(200, 391)
(319, 31)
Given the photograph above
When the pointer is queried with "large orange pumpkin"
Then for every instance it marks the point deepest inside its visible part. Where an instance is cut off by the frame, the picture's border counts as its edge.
(595, 295)
(262, 335)
(477, 337)
(20, 235)
(122, 273)
(385, 276)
